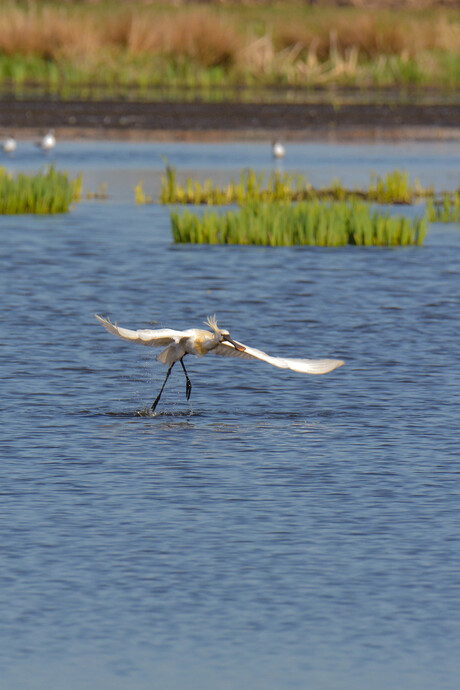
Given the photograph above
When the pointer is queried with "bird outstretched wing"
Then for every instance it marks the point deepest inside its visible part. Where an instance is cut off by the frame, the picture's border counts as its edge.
(303, 366)
(155, 338)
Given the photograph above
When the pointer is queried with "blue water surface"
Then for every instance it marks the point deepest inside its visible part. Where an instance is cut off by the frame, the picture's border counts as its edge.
(278, 530)
(121, 165)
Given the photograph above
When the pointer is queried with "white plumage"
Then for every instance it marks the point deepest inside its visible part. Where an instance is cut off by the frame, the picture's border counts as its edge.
(48, 141)
(9, 144)
(199, 342)
(302, 366)
(278, 150)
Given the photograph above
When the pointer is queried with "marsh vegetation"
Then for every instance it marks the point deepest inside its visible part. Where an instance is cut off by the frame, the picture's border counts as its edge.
(391, 188)
(444, 210)
(46, 192)
(307, 223)
(215, 45)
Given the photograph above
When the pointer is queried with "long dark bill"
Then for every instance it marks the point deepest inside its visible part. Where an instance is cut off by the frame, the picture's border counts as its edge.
(237, 346)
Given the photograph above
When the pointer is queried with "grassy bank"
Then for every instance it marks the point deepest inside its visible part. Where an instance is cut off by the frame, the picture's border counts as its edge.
(226, 45)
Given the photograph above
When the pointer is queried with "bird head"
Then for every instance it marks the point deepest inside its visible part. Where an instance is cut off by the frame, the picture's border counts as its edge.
(222, 334)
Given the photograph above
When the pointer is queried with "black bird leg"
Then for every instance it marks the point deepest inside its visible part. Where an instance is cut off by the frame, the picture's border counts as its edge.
(188, 385)
(157, 399)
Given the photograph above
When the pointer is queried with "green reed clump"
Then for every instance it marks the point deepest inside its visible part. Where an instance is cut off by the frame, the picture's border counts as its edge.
(393, 188)
(249, 187)
(140, 196)
(47, 192)
(306, 223)
(99, 195)
(447, 210)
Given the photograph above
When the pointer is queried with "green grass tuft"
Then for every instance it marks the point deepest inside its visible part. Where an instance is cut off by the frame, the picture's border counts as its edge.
(392, 188)
(46, 192)
(311, 223)
(447, 210)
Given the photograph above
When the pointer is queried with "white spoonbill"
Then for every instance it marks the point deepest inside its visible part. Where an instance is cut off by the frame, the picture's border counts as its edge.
(196, 341)
(47, 142)
(9, 144)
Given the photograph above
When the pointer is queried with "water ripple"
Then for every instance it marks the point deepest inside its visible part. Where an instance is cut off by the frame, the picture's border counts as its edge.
(274, 531)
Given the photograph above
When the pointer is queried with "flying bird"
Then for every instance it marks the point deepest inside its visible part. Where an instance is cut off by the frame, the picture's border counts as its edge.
(197, 341)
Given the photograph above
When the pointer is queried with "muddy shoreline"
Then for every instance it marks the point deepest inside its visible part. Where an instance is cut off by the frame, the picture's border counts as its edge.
(201, 121)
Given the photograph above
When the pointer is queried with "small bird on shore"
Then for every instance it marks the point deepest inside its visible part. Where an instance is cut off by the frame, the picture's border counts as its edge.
(48, 141)
(197, 341)
(278, 150)
(9, 144)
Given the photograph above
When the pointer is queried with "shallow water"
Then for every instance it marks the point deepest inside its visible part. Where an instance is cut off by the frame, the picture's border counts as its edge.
(276, 531)
(122, 165)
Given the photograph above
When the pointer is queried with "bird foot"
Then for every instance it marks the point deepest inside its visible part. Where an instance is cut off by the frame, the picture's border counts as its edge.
(188, 389)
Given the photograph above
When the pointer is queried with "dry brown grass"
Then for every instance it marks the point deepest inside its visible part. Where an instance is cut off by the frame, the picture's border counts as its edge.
(372, 35)
(53, 33)
(45, 32)
(200, 35)
(210, 37)
(193, 33)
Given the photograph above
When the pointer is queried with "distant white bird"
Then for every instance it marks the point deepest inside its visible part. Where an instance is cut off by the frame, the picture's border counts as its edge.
(196, 341)
(9, 144)
(278, 150)
(47, 142)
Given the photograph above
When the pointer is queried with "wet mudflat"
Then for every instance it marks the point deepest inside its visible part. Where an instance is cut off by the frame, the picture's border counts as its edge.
(277, 530)
(353, 118)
